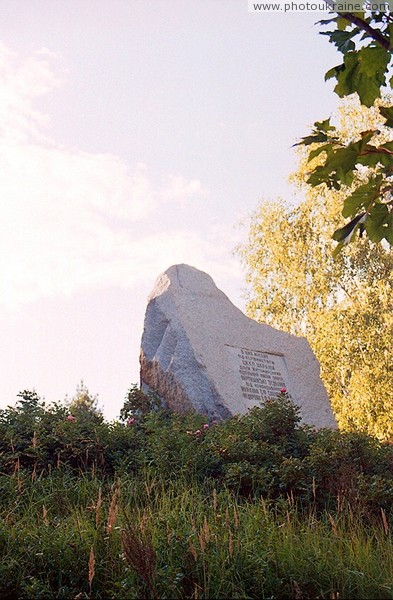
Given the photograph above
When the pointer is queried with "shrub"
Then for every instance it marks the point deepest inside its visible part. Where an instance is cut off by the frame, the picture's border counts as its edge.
(267, 451)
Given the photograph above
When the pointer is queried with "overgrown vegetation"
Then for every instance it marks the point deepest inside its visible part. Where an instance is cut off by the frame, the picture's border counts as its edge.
(159, 505)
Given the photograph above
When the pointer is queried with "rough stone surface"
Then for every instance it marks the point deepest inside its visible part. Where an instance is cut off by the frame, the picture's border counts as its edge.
(199, 352)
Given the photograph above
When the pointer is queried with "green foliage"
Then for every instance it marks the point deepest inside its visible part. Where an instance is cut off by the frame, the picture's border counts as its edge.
(85, 406)
(342, 305)
(137, 403)
(258, 506)
(364, 39)
(41, 437)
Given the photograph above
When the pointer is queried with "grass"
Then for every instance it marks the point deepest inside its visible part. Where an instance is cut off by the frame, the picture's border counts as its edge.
(67, 536)
(173, 507)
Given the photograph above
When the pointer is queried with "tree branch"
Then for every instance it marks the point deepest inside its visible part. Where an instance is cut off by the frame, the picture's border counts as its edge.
(374, 33)
(376, 151)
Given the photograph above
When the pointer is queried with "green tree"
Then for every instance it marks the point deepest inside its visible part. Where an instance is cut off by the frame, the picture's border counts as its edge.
(362, 166)
(342, 305)
(84, 406)
(138, 404)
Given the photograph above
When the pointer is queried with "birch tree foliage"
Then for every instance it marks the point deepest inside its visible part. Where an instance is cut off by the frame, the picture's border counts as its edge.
(361, 167)
(342, 304)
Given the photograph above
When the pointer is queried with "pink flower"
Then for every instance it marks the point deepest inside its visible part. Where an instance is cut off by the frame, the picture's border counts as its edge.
(130, 422)
(283, 391)
(206, 426)
(70, 418)
(197, 432)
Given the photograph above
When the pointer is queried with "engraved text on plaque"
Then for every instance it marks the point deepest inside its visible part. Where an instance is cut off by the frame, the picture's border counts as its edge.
(261, 374)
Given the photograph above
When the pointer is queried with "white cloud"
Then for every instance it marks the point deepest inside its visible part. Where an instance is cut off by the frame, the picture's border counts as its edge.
(71, 219)
(21, 81)
(181, 188)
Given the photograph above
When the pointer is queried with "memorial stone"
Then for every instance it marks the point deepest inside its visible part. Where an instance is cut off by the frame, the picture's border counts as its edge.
(201, 353)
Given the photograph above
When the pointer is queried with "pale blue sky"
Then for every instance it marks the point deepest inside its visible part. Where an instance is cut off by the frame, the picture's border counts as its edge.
(134, 134)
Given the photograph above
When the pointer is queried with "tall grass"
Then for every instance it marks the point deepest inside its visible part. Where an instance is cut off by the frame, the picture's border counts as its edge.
(174, 507)
(66, 536)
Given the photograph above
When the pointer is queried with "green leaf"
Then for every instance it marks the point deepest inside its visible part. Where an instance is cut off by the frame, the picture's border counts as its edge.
(360, 198)
(312, 139)
(338, 170)
(364, 73)
(343, 159)
(372, 156)
(345, 177)
(334, 71)
(347, 78)
(340, 163)
(324, 125)
(388, 146)
(387, 112)
(342, 23)
(374, 60)
(342, 39)
(326, 21)
(320, 175)
(324, 148)
(378, 217)
(319, 133)
(361, 145)
(344, 234)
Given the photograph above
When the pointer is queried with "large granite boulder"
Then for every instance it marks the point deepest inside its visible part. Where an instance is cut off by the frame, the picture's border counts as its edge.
(201, 353)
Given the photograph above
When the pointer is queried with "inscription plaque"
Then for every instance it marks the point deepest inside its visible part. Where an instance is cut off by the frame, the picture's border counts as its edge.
(261, 375)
